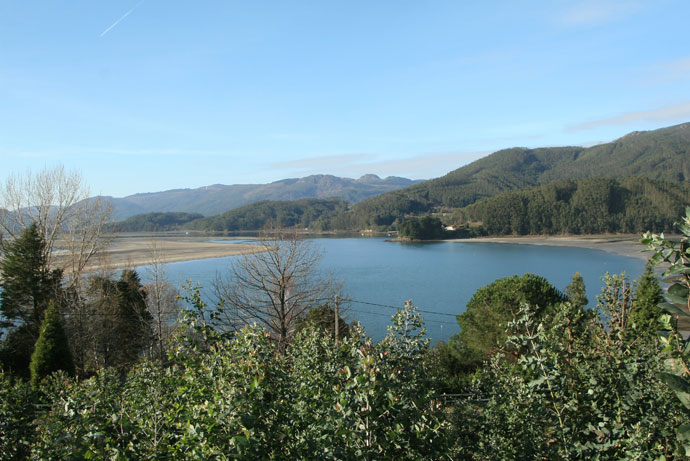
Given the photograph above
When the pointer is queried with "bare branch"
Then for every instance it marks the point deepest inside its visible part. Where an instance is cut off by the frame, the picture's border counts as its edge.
(276, 287)
(58, 201)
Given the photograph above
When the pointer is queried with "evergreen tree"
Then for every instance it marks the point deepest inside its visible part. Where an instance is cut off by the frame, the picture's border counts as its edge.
(26, 281)
(575, 291)
(133, 320)
(648, 294)
(489, 311)
(123, 323)
(51, 352)
(27, 286)
(323, 319)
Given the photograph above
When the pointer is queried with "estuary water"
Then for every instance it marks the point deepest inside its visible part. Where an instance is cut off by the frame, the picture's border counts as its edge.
(439, 277)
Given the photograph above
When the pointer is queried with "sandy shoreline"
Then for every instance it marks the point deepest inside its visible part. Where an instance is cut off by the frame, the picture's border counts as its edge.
(134, 251)
(624, 245)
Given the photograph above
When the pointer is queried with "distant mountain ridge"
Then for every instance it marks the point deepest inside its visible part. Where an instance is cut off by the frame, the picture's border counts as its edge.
(662, 154)
(218, 198)
(657, 162)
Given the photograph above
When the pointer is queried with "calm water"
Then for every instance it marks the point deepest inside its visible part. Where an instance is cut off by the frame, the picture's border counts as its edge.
(437, 277)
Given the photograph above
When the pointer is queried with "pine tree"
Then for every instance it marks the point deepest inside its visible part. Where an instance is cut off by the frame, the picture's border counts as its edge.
(26, 281)
(51, 352)
(122, 328)
(648, 294)
(133, 320)
(27, 286)
(576, 291)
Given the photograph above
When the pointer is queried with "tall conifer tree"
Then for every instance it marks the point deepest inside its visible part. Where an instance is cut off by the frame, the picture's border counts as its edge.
(27, 287)
(648, 295)
(51, 352)
(576, 291)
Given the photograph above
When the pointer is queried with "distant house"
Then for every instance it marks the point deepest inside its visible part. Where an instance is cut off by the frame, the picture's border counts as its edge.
(449, 228)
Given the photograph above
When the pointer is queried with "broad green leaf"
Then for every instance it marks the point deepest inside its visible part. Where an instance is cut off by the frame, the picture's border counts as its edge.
(679, 385)
(678, 269)
(677, 300)
(684, 432)
(673, 309)
(675, 382)
(679, 290)
(536, 382)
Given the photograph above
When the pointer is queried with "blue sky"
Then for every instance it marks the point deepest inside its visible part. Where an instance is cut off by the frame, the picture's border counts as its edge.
(148, 95)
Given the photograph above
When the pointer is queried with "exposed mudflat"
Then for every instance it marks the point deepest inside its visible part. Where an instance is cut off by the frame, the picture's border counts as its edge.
(139, 250)
(624, 245)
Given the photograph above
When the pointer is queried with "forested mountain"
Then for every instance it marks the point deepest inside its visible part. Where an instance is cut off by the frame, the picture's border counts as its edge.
(583, 206)
(313, 213)
(150, 222)
(631, 205)
(218, 198)
(662, 154)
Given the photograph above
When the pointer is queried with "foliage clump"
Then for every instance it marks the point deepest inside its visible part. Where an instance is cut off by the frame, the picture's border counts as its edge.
(26, 287)
(576, 292)
(585, 386)
(237, 398)
(322, 318)
(51, 352)
(676, 302)
(424, 228)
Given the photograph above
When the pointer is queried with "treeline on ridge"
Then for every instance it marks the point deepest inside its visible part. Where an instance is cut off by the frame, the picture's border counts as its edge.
(313, 213)
(151, 222)
(587, 206)
(662, 156)
(570, 206)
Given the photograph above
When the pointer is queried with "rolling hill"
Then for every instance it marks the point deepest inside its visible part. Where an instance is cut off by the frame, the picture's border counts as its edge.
(662, 154)
(218, 198)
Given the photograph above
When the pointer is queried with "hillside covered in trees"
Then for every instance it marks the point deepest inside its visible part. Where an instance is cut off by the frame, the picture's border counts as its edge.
(312, 213)
(583, 206)
(662, 154)
(151, 222)
(636, 182)
(219, 198)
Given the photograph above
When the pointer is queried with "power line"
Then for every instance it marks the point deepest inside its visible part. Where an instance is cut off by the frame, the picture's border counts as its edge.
(367, 303)
(388, 316)
(397, 307)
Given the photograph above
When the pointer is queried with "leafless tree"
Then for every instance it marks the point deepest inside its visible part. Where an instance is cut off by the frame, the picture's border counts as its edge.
(162, 303)
(275, 287)
(58, 201)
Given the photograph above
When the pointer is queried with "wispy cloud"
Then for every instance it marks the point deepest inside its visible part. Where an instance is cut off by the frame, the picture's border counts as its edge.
(139, 152)
(112, 26)
(79, 151)
(668, 71)
(8, 153)
(677, 112)
(326, 161)
(154, 152)
(418, 166)
(592, 13)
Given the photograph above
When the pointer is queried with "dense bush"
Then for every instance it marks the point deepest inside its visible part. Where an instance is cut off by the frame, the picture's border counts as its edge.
(225, 398)
(424, 228)
(584, 387)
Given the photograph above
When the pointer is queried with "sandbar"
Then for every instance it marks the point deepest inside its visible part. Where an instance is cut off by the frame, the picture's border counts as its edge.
(138, 250)
(624, 245)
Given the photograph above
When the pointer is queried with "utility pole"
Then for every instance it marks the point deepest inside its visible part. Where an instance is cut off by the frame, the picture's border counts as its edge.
(336, 320)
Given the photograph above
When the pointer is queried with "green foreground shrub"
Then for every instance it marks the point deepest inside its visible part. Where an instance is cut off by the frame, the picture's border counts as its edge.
(238, 398)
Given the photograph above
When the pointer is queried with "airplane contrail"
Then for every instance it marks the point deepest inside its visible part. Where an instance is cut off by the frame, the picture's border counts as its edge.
(121, 18)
